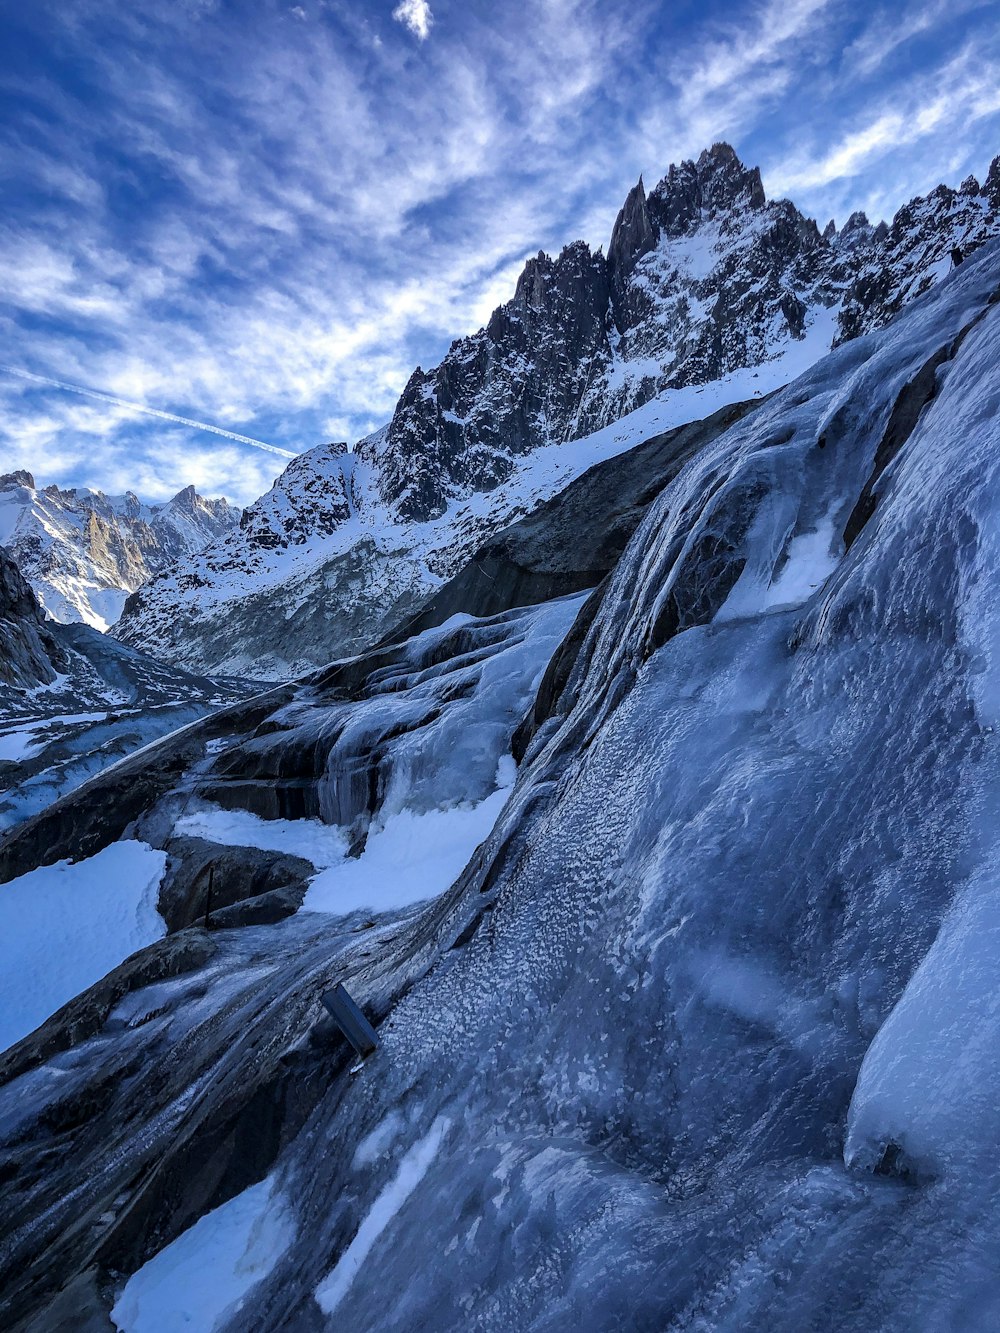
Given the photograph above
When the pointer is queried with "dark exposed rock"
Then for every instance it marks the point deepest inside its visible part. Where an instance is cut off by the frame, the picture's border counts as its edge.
(991, 186)
(204, 879)
(502, 392)
(633, 236)
(30, 655)
(18, 478)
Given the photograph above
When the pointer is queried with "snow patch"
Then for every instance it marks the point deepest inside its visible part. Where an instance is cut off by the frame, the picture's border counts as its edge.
(64, 927)
(207, 1273)
(322, 844)
(409, 859)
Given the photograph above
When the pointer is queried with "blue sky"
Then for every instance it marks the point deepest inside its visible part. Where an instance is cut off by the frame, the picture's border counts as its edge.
(264, 214)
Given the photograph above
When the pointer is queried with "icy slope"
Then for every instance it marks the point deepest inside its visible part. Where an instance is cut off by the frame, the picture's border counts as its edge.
(673, 1051)
(722, 865)
(83, 551)
(708, 293)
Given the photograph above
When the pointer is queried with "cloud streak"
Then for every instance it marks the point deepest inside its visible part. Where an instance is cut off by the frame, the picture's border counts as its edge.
(146, 410)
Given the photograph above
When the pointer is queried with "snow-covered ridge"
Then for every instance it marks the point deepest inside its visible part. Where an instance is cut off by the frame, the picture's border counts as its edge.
(83, 552)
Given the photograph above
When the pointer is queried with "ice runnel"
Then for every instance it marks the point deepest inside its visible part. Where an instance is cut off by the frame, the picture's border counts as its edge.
(422, 730)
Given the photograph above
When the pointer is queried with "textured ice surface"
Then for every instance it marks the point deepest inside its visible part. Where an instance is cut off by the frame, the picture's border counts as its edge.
(65, 926)
(714, 881)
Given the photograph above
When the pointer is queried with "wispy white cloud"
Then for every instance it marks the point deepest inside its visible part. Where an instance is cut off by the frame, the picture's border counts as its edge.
(144, 409)
(943, 104)
(417, 16)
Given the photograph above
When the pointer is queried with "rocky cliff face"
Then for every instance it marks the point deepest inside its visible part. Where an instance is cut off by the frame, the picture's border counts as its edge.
(83, 551)
(702, 276)
(29, 653)
(709, 293)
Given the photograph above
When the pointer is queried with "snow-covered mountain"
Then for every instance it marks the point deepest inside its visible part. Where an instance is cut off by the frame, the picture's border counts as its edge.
(709, 293)
(83, 552)
(687, 1021)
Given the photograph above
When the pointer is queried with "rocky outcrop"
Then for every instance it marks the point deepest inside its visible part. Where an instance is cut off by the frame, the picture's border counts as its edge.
(30, 655)
(312, 501)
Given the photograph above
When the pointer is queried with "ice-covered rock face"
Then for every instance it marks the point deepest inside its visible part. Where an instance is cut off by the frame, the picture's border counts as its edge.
(703, 1035)
(723, 864)
(83, 552)
(706, 284)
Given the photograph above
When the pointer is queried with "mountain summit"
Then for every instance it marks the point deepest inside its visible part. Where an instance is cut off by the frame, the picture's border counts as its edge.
(709, 292)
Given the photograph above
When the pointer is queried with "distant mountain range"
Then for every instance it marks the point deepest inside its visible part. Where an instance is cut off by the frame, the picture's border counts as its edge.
(709, 293)
(83, 552)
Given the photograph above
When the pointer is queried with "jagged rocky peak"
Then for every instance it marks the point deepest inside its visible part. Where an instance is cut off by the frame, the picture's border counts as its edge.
(991, 187)
(855, 231)
(717, 182)
(634, 233)
(310, 499)
(502, 392)
(15, 480)
(575, 278)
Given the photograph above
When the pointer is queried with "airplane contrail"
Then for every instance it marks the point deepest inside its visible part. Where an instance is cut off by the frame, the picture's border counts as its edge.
(149, 411)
